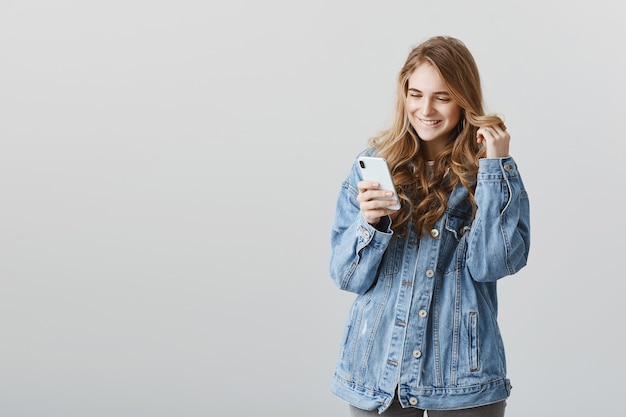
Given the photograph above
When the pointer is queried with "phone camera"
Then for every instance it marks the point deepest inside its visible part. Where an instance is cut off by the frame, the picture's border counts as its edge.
(362, 164)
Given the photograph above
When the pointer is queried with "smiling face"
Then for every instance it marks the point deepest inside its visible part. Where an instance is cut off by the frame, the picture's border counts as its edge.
(431, 110)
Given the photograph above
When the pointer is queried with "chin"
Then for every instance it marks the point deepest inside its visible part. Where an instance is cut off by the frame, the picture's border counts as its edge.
(426, 138)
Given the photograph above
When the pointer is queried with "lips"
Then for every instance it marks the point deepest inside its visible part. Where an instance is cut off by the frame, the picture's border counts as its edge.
(430, 122)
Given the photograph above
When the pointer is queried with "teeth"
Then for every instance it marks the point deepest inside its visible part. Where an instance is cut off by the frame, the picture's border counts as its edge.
(430, 122)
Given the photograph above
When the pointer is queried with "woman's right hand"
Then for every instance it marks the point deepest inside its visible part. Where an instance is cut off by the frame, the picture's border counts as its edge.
(373, 209)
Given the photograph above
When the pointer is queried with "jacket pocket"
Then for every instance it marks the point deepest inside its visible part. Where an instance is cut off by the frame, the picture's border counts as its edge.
(452, 248)
(474, 357)
(351, 331)
(457, 225)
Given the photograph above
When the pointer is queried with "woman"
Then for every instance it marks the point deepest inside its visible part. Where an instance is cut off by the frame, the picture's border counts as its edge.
(422, 333)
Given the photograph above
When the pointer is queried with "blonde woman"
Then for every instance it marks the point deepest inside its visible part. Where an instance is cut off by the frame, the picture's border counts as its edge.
(422, 333)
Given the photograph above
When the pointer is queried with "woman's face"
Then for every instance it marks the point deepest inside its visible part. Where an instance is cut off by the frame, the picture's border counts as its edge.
(431, 110)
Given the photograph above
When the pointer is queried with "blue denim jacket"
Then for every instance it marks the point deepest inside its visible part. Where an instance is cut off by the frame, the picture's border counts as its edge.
(424, 321)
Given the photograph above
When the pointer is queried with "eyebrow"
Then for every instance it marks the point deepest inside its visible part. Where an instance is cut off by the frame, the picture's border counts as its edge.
(435, 93)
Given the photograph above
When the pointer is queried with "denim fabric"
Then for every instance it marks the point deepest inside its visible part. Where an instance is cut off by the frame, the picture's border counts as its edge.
(424, 321)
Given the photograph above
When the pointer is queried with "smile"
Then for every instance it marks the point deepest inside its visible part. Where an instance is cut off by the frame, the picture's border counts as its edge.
(430, 122)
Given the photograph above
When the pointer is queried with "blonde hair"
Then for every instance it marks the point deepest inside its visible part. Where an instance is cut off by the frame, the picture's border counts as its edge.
(423, 197)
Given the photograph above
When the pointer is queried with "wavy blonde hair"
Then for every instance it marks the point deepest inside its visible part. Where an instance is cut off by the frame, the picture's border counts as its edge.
(423, 197)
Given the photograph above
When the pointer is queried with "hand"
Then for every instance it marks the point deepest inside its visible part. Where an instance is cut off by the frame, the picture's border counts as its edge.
(372, 209)
(496, 140)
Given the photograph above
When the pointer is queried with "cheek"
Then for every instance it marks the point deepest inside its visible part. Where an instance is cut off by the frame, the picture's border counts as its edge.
(410, 106)
(455, 114)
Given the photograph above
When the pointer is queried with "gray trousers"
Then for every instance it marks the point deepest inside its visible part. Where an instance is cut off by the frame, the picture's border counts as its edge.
(396, 410)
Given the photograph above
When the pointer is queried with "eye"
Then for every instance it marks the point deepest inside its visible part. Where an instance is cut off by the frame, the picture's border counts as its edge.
(443, 99)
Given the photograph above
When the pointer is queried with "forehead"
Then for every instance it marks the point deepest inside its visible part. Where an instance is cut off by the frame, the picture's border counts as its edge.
(426, 78)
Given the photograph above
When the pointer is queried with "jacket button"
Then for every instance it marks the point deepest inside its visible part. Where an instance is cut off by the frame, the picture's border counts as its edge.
(366, 234)
(413, 401)
(423, 313)
(434, 233)
(417, 353)
(430, 273)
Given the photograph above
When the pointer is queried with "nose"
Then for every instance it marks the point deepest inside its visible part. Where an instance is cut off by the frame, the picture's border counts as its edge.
(427, 107)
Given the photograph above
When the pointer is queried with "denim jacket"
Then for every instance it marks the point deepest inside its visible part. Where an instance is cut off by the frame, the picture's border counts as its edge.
(423, 326)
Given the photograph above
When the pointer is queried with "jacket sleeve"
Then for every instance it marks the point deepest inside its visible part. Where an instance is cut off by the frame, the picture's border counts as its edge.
(357, 247)
(499, 239)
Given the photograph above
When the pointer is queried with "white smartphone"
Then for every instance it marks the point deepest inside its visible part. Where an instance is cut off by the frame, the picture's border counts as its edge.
(376, 169)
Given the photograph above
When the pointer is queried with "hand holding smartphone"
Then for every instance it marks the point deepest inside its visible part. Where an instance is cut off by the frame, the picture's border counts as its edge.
(376, 169)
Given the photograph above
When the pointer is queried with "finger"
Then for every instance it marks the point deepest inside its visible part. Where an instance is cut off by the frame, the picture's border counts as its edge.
(363, 186)
(495, 129)
(376, 213)
(487, 132)
(374, 216)
(499, 129)
(482, 133)
(375, 196)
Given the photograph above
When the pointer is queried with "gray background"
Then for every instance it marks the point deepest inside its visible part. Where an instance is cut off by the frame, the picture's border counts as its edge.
(168, 175)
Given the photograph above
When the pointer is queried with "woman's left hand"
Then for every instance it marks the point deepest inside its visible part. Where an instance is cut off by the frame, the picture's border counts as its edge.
(496, 140)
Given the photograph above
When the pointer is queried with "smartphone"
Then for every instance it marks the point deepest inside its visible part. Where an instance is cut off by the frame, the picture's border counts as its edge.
(376, 169)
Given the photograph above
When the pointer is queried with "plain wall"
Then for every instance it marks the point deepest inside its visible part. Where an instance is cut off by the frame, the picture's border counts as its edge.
(164, 239)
